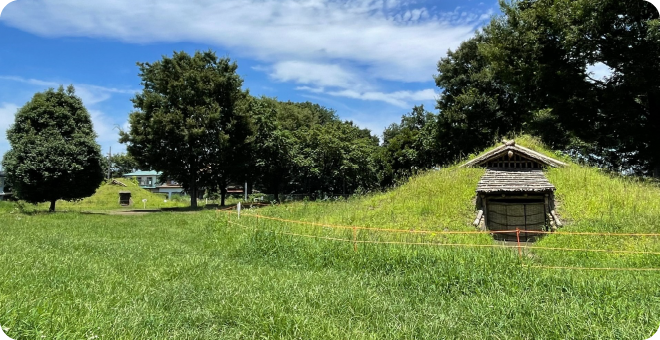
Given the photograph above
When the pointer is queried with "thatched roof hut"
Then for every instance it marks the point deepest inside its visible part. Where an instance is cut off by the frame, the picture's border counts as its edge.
(514, 195)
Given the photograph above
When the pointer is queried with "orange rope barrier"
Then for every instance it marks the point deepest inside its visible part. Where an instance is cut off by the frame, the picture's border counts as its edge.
(518, 246)
(596, 250)
(381, 242)
(450, 232)
(372, 228)
(355, 242)
(593, 268)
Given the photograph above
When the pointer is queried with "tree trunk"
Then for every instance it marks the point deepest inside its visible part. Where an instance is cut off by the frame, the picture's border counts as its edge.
(52, 206)
(223, 193)
(277, 194)
(193, 195)
(654, 122)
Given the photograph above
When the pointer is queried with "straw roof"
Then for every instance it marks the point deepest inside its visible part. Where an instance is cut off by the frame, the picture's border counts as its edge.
(511, 146)
(514, 180)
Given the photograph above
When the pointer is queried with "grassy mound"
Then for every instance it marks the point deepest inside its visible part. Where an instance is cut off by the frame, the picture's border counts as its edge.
(588, 199)
(106, 197)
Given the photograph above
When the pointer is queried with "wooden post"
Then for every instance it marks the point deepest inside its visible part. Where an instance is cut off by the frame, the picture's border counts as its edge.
(480, 213)
(518, 237)
(485, 203)
(355, 239)
(547, 205)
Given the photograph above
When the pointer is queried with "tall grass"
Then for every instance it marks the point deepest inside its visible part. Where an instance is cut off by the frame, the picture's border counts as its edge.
(435, 200)
(192, 276)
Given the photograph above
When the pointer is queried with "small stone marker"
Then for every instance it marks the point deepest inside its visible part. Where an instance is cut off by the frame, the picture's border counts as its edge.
(144, 203)
(238, 208)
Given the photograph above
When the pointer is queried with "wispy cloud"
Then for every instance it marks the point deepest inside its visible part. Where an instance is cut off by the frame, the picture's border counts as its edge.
(398, 98)
(90, 94)
(317, 74)
(391, 40)
(105, 126)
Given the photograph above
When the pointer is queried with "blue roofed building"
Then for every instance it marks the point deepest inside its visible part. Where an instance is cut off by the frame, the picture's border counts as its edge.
(151, 180)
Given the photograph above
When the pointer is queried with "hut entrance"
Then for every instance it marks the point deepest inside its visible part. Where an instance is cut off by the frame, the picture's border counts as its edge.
(509, 215)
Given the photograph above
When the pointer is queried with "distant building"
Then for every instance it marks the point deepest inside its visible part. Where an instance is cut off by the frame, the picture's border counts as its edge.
(3, 195)
(151, 180)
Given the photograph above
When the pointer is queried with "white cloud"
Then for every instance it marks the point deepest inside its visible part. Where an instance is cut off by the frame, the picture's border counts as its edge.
(394, 40)
(90, 94)
(317, 74)
(398, 98)
(311, 89)
(104, 127)
(3, 3)
(7, 112)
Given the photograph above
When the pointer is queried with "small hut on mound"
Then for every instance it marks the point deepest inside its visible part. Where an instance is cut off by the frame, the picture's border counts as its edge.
(514, 193)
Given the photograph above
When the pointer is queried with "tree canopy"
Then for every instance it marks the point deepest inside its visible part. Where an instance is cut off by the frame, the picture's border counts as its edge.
(54, 154)
(531, 70)
(186, 123)
(120, 164)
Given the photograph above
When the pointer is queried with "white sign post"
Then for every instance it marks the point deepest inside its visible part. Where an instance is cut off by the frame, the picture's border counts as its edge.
(238, 208)
(144, 203)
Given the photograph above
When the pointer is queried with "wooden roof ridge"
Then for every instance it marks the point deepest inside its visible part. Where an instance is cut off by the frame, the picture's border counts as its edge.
(512, 146)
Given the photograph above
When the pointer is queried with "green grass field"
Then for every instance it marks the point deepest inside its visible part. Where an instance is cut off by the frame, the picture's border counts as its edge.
(209, 275)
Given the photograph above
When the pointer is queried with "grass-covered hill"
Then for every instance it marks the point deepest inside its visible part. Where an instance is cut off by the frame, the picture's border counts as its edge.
(588, 199)
(106, 197)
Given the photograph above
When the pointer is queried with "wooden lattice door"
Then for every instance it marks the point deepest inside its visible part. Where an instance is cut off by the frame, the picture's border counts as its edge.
(512, 216)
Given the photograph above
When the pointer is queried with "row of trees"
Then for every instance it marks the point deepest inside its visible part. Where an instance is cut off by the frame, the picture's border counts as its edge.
(194, 123)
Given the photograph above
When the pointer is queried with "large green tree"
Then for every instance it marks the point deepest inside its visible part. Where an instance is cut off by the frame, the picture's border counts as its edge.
(53, 152)
(530, 70)
(120, 164)
(408, 146)
(186, 123)
(272, 148)
(336, 158)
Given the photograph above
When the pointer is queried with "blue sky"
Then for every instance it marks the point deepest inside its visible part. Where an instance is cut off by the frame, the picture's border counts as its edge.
(370, 60)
